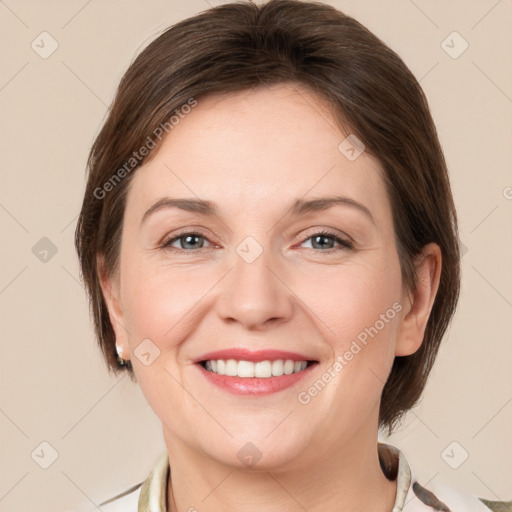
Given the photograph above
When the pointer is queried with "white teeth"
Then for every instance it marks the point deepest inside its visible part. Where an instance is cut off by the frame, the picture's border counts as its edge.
(277, 367)
(288, 367)
(246, 369)
(231, 368)
(261, 369)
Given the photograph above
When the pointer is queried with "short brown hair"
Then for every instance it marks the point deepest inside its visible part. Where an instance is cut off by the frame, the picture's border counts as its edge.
(240, 46)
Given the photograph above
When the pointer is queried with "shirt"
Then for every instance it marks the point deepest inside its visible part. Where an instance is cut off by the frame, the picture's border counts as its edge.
(411, 496)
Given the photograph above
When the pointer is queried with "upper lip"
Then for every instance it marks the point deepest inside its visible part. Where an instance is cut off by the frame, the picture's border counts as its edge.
(244, 354)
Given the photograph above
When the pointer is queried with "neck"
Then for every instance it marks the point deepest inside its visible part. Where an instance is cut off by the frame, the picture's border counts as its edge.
(344, 478)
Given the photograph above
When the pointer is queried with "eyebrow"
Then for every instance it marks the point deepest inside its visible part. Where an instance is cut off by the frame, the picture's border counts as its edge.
(300, 206)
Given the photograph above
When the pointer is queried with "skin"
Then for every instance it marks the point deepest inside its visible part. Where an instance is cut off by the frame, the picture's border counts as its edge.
(254, 153)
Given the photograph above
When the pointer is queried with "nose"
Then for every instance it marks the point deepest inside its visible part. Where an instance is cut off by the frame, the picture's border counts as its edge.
(254, 294)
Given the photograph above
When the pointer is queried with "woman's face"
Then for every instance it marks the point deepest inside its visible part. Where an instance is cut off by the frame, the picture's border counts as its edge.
(241, 268)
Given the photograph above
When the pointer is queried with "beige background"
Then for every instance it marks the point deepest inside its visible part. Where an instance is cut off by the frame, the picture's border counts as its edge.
(55, 387)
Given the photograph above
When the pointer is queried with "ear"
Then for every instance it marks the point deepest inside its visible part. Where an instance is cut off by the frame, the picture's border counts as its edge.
(419, 302)
(110, 286)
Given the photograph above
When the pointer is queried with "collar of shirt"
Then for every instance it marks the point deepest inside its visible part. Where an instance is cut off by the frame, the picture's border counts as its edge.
(151, 494)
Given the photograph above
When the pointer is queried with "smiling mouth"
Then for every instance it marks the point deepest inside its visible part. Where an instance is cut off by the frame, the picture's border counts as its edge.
(261, 369)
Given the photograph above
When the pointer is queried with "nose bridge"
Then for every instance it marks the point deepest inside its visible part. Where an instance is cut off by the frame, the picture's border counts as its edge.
(255, 294)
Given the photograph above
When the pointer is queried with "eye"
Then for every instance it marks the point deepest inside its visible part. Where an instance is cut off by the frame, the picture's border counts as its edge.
(319, 241)
(187, 242)
(193, 241)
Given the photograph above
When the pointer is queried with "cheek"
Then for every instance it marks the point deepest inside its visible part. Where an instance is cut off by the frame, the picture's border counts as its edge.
(159, 307)
(363, 320)
(160, 303)
(361, 309)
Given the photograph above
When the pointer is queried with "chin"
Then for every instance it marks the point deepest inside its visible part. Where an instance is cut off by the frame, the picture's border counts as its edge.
(258, 453)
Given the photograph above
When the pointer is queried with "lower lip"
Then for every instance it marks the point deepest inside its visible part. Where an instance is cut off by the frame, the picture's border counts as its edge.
(255, 386)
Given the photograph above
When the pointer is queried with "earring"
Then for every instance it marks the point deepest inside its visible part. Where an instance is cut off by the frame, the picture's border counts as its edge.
(120, 359)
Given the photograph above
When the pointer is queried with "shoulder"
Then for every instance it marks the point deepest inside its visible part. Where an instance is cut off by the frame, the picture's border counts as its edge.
(126, 501)
(498, 506)
(147, 495)
(415, 495)
(441, 496)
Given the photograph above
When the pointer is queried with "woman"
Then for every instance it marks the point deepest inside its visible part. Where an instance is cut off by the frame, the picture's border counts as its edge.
(270, 245)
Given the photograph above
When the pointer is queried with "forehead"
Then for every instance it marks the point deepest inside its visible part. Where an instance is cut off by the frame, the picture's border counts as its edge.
(261, 123)
(266, 146)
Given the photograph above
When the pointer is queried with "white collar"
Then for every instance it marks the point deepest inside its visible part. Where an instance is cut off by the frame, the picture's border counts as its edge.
(151, 495)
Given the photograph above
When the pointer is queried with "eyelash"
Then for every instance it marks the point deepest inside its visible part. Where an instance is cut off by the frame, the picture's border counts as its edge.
(345, 244)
